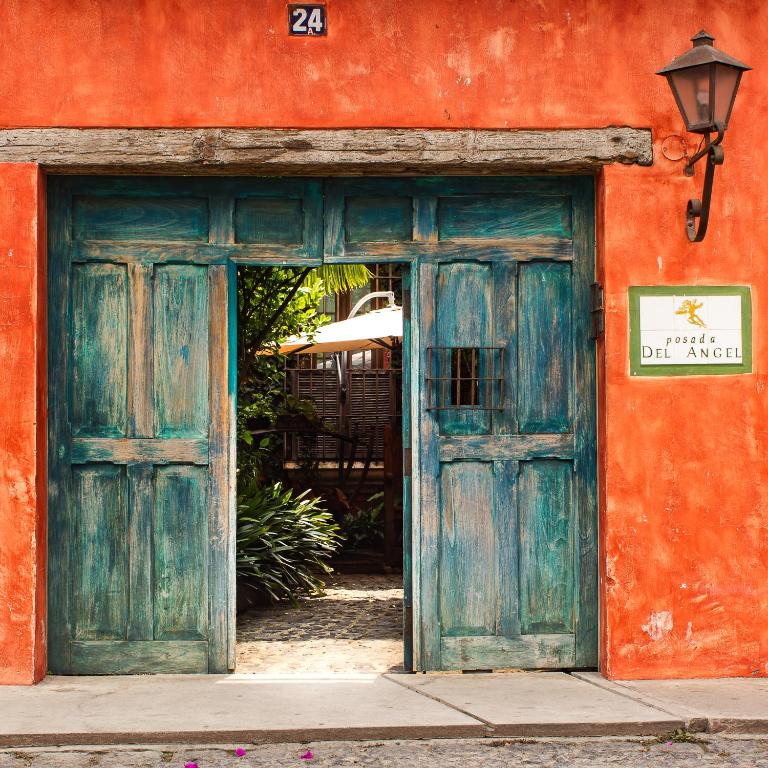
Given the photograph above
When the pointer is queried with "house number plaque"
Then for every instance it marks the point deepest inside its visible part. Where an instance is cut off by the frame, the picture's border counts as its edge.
(306, 20)
(690, 330)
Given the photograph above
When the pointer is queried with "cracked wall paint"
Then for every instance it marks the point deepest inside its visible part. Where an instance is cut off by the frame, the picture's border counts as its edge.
(659, 624)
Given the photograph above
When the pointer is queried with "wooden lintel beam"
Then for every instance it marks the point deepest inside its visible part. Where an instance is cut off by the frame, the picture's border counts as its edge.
(323, 152)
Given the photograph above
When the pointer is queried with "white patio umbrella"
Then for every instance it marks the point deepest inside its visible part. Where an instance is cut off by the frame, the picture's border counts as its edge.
(380, 328)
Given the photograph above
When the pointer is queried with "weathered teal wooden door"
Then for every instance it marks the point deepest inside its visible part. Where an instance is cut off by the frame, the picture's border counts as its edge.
(505, 567)
(502, 569)
(140, 416)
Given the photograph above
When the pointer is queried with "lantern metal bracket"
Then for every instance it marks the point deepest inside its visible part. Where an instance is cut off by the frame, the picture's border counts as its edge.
(699, 208)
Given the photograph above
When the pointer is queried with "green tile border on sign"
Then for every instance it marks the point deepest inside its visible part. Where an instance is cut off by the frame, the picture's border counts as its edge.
(708, 369)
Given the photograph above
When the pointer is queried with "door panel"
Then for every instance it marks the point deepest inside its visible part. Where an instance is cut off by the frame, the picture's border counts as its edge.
(180, 535)
(101, 551)
(545, 378)
(462, 284)
(378, 219)
(467, 549)
(506, 423)
(99, 350)
(482, 217)
(123, 218)
(180, 345)
(546, 547)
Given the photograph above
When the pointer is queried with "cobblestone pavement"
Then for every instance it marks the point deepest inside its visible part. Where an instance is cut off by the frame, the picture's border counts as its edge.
(356, 627)
(464, 753)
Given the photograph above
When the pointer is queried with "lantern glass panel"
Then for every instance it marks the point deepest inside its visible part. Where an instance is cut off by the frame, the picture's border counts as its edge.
(726, 84)
(691, 88)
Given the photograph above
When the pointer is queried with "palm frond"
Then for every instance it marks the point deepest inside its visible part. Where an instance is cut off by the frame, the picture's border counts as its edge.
(339, 278)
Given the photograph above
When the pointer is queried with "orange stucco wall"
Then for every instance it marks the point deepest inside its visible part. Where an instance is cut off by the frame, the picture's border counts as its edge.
(22, 427)
(685, 518)
(684, 504)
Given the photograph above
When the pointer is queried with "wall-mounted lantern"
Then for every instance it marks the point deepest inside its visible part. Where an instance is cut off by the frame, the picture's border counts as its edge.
(704, 82)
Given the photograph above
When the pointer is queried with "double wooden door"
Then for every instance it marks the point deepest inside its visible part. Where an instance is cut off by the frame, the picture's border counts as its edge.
(499, 406)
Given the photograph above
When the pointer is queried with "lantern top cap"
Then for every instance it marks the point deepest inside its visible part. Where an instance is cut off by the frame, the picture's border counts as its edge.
(702, 37)
(703, 52)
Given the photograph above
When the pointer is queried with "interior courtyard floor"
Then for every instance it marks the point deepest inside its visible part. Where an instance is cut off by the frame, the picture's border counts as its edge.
(355, 627)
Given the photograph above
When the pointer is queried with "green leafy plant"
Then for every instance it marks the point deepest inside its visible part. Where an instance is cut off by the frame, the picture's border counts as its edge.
(678, 736)
(363, 528)
(283, 542)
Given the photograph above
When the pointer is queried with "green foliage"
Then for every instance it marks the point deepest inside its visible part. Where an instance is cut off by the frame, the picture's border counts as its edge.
(364, 528)
(283, 542)
(339, 278)
(678, 736)
(273, 304)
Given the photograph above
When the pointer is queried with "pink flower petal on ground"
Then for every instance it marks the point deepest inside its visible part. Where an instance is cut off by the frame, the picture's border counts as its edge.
(308, 755)
(190, 765)
(240, 752)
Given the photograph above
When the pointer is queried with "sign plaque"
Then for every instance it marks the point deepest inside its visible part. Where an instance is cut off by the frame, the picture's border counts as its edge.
(306, 20)
(685, 330)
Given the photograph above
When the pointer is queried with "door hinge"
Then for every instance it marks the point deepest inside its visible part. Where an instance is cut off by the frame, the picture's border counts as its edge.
(406, 462)
(407, 302)
(597, 311)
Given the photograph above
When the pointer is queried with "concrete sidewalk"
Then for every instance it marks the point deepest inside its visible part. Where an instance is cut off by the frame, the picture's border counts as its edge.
(724, 705)
(285, 708)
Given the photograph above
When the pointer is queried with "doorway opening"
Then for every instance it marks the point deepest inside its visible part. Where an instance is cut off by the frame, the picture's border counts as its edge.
(320, 468)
